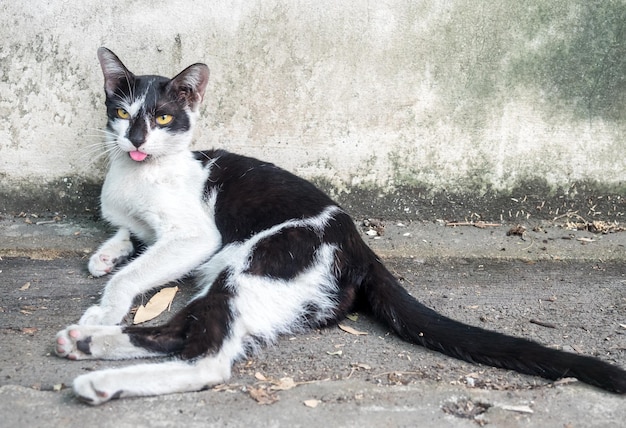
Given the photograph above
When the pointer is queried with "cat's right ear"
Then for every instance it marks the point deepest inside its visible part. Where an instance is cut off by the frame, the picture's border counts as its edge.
(189, 85)
(114, 71)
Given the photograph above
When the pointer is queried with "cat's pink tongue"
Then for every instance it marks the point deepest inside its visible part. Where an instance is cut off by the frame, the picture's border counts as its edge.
(137, 156)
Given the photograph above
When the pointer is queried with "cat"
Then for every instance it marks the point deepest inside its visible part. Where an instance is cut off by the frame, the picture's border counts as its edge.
(270, 252)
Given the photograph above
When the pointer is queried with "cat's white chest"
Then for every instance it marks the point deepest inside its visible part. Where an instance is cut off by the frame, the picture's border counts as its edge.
(154, 198)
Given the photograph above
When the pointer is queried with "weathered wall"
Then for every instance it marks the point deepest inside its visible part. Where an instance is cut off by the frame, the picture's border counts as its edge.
(417, 108)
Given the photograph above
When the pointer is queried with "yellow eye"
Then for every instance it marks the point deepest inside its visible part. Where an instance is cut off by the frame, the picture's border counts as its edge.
(122, 114)
(164, 119)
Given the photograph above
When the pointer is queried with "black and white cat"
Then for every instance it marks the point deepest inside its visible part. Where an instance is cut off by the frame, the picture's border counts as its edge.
(271, 254)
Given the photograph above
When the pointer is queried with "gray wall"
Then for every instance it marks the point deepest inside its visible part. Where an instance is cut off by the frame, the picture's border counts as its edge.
(407, 108)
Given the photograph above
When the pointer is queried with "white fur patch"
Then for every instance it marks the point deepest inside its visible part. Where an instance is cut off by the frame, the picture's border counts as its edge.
(148, 201)
(266, 307)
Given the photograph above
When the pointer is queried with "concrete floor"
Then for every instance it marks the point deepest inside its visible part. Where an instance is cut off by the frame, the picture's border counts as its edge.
(571, 280)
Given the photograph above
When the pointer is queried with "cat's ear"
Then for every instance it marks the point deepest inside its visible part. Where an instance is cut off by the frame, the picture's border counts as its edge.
(189, 85)
(114, 71)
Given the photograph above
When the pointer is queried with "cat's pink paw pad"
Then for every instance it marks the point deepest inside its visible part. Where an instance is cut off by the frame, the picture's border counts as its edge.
(71, 344)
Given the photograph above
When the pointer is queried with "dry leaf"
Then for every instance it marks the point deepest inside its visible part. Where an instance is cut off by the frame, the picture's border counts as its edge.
(262, 396)
(351, 330)
(259, 376)
(29, 330)
(25, 286)
(229, 387)
(353, 317)
(156, 305)
(338, 353)
(283, 384)
(312, 403)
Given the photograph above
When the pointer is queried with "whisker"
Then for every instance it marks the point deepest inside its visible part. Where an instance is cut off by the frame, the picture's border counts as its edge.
(94, 154)
(103, 131)
(95, 151)
(99, 138)
(116, 153)
(131, 88)
(207, 157)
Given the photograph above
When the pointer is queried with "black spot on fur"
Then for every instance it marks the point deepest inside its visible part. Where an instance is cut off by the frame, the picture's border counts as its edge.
(284, 254)
(117, 395)
(198, 329)
(84, 345)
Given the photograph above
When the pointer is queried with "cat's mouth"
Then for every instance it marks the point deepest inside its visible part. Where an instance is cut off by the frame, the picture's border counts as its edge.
(137, 156)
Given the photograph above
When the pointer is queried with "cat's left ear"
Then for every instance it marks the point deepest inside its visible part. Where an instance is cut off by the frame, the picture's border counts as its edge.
(115, 73)
(189, 85)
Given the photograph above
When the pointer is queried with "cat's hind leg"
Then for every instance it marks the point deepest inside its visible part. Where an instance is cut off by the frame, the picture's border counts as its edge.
(205, 335)
(112, 253)
(82, 342)
(152, 379)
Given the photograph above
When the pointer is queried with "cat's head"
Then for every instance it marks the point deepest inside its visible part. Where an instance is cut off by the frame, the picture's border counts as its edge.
(150, 116)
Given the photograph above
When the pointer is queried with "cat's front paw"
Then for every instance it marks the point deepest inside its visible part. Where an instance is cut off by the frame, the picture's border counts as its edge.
(72, 344)
(101, 263)
(113, 253)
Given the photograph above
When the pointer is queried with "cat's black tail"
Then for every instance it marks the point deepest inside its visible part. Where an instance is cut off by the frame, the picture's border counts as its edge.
(416, 323)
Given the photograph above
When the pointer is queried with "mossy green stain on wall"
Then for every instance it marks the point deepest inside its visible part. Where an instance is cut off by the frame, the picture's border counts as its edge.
(572, 51)
(565, 59)
(582, 67)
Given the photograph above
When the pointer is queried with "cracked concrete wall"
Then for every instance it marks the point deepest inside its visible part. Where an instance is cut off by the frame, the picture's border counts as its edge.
(401, 103)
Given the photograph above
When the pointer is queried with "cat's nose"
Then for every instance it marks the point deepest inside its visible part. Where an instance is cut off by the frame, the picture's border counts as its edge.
(137, 133)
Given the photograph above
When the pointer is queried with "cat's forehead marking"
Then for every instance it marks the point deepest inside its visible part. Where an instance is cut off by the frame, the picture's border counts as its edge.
(135, 106)
(144, 98)
(149, 97)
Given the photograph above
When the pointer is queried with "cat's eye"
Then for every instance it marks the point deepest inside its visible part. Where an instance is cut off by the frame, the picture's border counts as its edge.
(122, 114)
(164, 119)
